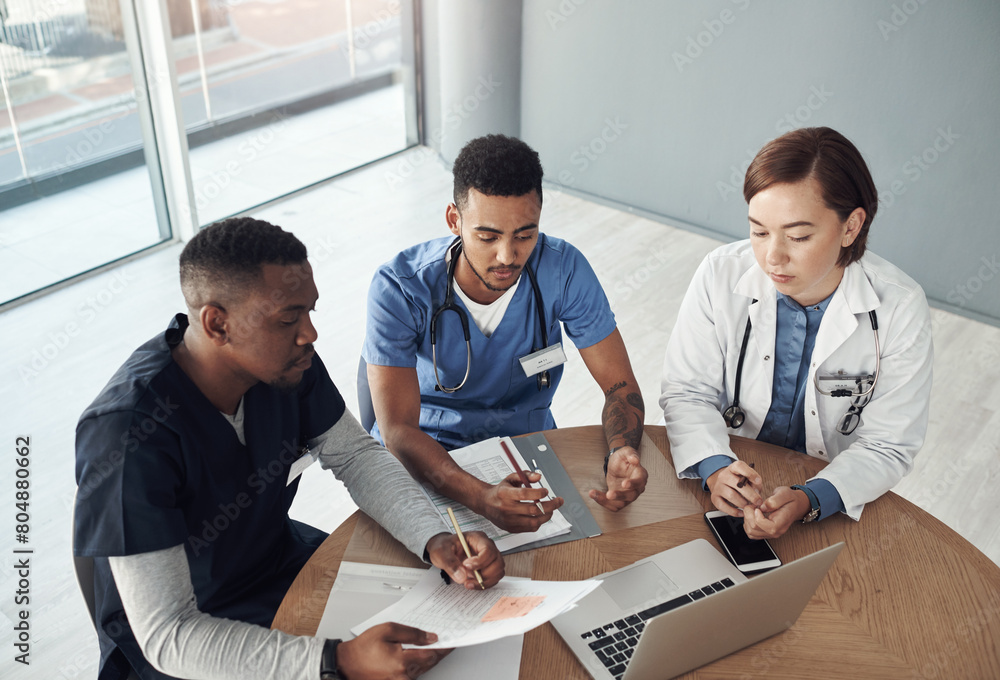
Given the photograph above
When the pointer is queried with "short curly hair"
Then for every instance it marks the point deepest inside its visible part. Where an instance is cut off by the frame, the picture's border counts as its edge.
(222, 263)
(497, 165)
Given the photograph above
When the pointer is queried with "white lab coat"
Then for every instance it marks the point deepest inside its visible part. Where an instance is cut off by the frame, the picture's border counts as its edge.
(700, 370)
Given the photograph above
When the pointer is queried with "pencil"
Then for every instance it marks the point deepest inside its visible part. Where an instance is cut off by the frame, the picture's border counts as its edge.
(519, 471)
(465, 545)
(743, 481)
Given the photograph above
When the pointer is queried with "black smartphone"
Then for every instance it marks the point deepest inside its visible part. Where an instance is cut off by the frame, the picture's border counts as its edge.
(748, 554)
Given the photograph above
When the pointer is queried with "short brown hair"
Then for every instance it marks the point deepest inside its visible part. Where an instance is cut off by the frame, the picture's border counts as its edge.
(833, 161)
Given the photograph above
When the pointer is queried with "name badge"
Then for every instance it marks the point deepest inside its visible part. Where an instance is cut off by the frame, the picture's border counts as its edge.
(301, 463)
(543, 359)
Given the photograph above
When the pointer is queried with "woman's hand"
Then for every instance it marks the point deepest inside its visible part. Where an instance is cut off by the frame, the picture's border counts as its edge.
(727, 494)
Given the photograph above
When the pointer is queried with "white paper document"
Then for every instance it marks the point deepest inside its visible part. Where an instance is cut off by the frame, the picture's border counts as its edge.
(362, 590)
(462, 617)
(485, 460)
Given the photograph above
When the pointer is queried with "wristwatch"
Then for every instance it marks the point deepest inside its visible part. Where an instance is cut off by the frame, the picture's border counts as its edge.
(814, 510)
(328, 662)
(607, 458)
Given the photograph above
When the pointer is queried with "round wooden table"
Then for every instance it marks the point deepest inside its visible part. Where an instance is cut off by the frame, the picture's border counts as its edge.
(907, 597)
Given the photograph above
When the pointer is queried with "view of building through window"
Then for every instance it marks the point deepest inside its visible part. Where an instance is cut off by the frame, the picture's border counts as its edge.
(274, 95)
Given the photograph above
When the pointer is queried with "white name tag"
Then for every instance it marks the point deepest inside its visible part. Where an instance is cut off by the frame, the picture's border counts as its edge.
(543, 359)
(299, 466)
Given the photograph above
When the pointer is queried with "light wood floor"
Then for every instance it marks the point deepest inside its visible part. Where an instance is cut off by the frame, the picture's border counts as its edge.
(57, 352)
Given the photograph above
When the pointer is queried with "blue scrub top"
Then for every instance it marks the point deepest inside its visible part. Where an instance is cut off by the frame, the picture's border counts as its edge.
(159, 466)
(498, 399)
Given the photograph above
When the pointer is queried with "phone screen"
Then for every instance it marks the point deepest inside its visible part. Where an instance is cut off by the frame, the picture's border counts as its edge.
(744, 549)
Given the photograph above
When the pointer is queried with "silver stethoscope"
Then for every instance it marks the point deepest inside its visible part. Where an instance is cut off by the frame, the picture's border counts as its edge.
(542, 378)
(735, 416)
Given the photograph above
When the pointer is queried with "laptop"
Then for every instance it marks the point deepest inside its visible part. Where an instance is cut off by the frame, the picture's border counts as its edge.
(682, 608)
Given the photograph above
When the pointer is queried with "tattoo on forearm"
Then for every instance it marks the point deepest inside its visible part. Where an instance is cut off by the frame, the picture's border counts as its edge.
(635, 401)
(623, 417)
(614, 388)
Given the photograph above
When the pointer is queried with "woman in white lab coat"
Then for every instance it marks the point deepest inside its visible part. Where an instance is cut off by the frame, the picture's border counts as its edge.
(837, 352)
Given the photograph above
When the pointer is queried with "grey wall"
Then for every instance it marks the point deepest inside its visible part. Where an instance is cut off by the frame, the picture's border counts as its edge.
(661, 105)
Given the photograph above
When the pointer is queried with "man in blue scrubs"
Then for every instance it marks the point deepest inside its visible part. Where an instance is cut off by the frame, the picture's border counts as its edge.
(187, 464)
(494, 222)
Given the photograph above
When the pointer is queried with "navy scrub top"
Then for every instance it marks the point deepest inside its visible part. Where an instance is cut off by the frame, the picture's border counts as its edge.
(157, 465)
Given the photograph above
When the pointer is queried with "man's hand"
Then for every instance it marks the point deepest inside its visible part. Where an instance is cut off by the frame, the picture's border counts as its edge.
(378, 654)
(727, 494)
(505, 506)
(626, 480)
(777, 513)
(446, 552)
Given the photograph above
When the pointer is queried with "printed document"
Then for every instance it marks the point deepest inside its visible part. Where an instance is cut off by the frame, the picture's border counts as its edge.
(463, 617)
(362, 590)
(485, 460)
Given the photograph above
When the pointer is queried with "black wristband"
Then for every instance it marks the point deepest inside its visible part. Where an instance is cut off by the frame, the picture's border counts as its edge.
(328, 662)
(607, 458)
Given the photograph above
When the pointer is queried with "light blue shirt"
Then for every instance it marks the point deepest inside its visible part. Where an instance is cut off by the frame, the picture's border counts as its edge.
(795, 336)
(498, 399)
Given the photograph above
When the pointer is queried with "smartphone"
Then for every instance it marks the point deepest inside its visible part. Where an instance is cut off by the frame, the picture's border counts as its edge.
(748, 554)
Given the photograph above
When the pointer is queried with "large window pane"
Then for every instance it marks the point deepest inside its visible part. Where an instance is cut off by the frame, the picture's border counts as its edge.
(75, 192)
(279, 94)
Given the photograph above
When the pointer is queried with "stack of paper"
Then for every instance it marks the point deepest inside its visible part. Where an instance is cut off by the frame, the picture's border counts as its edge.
(362, 590)
(485, 460)
(462, 617)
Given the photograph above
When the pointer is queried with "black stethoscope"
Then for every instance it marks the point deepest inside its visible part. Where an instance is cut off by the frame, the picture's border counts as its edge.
(735, 416)
(542, 378)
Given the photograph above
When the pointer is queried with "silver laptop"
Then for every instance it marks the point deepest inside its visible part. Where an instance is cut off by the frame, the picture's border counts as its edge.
(682, 608)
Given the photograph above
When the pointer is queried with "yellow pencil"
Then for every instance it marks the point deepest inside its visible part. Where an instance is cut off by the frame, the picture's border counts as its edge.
(468, 553)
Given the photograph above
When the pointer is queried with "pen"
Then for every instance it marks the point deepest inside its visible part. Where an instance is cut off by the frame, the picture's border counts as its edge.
(744, 480)
(519, 471)
(468, 553)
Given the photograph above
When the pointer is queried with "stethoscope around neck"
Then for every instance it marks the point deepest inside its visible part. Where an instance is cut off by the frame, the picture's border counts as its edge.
(735, 416)
(543, 378)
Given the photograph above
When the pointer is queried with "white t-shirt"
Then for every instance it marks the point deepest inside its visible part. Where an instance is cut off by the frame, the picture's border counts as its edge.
(488, 317)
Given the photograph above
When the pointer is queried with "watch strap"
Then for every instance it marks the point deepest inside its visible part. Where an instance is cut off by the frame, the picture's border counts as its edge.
(814, 507)
(607, 458)
(328, 661)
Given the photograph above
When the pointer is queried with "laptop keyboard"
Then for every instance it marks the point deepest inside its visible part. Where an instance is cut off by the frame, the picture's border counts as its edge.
(613, 643)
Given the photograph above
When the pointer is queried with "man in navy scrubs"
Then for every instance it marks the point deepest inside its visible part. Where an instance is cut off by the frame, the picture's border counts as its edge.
(188, 461)
(431, 396)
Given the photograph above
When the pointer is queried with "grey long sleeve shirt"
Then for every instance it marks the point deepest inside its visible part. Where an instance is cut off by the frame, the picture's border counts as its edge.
(178, 639)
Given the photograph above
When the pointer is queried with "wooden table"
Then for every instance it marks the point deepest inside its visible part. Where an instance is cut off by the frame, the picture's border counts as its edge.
(906, 598)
